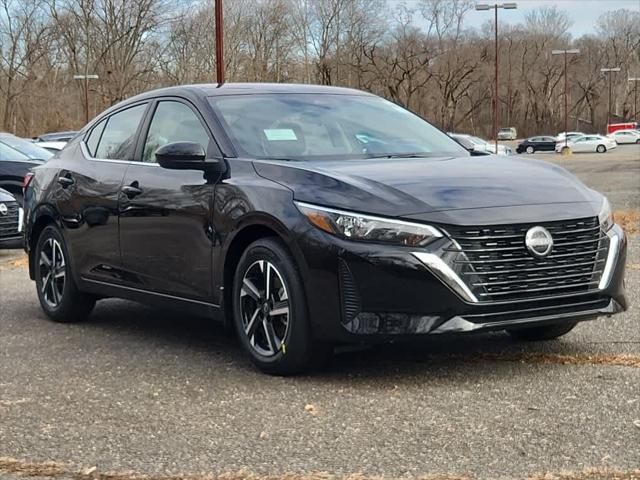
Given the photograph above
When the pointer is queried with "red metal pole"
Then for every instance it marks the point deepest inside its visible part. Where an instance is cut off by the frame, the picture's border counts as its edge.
(219, 43)
(495, 105)
(566, 112)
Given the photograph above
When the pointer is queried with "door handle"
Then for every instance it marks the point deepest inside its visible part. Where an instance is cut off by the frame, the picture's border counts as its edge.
(131, 190)
(66, 181)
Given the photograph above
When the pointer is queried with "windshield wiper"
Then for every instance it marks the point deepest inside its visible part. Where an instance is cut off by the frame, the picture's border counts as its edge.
(402, 155)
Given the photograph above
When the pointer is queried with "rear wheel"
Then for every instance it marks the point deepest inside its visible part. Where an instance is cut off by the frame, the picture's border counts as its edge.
(270, 311)
(601, 149)
(530, 149)
(57, 291)
(546, 332)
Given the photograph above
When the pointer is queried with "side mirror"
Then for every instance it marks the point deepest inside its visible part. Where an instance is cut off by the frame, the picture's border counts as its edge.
(182, 156)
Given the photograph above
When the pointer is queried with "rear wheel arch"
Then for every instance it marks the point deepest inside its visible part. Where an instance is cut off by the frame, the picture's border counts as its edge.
(43, 218)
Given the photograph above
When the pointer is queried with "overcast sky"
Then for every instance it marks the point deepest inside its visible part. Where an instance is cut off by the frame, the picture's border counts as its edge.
(583, 13)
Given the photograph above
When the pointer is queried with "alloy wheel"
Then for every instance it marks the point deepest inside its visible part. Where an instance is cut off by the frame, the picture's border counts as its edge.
(264, 308)
(52, 271)
(530, 150)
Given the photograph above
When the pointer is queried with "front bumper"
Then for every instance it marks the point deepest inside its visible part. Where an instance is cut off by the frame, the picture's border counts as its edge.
(359, 292)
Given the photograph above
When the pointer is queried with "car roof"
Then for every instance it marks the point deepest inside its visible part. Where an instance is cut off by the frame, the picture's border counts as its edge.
(214, 90)
(204, 90)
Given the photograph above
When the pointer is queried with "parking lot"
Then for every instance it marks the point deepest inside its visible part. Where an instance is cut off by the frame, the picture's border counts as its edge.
(145, 392)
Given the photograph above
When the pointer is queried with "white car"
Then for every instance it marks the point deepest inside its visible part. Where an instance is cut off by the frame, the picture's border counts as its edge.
(562, 135)
(588, 143)
(53, 147)
(625, 136)
(480, 145)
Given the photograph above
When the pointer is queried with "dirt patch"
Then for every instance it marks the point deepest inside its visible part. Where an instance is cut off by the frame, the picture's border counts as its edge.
(25, 469)
(620, 360)
(14, 261)
(590, 474)
(21, 468)
(629, 220)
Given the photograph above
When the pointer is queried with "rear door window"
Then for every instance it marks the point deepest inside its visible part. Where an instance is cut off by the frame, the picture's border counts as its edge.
(119, 136)
(94, 137)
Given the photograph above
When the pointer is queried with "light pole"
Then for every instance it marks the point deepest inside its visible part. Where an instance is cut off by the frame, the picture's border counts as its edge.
(573, 51)
(219, 43)
(609, 71)
(495, 7)
(86, 79)
(635, 81)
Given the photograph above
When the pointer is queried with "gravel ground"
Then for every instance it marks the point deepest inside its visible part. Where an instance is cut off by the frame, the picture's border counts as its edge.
(155, 392)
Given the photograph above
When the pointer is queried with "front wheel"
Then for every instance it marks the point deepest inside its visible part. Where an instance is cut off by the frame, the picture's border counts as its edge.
(270, 311)
(601, 149)
(57, 291)
(530, 150)
(537, 334)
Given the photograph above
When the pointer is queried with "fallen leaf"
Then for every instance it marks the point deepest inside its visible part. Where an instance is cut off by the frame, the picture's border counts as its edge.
(311, 409)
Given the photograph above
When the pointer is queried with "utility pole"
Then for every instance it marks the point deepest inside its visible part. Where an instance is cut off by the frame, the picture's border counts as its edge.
(495, 7)
(219, 43)
(86, 79)
(635, 81)
(573, 51)
(609, 71)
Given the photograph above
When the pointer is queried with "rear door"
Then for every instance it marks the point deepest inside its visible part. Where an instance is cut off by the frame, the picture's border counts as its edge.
(87, 192)
(166, 231)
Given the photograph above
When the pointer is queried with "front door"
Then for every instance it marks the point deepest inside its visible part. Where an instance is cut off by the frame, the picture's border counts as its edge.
(166, 234)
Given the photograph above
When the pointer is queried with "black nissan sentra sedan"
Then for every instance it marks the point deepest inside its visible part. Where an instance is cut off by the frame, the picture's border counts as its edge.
(311, 216)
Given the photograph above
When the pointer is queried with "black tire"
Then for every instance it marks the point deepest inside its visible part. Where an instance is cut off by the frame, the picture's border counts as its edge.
(290, 348)
(546, 332)
(60, 298)
(601, 149)
(530, 149)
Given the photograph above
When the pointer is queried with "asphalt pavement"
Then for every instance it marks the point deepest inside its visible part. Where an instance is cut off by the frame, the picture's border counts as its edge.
(153, 392)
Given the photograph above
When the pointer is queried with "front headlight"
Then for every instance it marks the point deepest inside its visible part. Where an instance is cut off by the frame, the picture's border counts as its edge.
(355, 226)
(605, 216)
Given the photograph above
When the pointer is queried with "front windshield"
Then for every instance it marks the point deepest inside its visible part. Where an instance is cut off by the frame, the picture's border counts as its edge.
(327, 126)
(477, 140)
(27, 148)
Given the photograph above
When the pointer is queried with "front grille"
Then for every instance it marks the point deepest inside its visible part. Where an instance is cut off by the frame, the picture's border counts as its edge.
(9, 223)
(496, 265)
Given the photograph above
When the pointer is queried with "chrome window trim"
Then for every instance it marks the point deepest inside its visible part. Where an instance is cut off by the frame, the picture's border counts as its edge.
(87, 155)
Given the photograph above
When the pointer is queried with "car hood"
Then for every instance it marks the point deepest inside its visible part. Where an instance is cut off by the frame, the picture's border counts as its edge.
(6, 196)
(406, 186)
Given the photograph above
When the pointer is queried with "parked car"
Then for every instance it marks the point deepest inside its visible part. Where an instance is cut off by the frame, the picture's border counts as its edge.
(53, 147)
(588, 143)
(625, 136)
(308, 216)
(537, 144)
(17, 157)
(56, 136)
(569, 135)
(507, 133)
(614, 127)
(469, 146)
(479, 145)
(11, 215)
